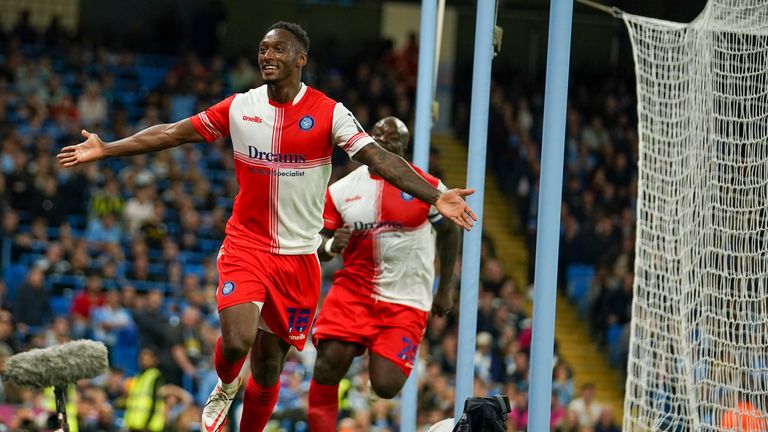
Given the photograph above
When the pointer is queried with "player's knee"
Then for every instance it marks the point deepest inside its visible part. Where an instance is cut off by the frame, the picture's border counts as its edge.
(266, 370)
(324, 372)
(235, 346)
(387, 388)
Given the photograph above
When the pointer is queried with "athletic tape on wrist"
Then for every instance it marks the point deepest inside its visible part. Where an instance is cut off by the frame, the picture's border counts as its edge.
(328, 246)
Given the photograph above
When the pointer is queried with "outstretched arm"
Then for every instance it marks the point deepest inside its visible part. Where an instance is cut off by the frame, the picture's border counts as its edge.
(151, 139)
(397, 172)
(448, 238)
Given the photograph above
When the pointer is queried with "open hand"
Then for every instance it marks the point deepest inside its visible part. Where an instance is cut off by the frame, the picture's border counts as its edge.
(92, 149)
(452, 205)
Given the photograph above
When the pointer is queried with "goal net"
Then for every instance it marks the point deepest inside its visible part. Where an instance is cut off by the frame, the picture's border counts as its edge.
(698, 356)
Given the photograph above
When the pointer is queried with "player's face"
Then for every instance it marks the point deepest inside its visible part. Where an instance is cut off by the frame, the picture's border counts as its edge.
(280, 56)
(387, 136)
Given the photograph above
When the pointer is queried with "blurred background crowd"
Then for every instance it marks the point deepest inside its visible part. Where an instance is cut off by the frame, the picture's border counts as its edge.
(123, 251)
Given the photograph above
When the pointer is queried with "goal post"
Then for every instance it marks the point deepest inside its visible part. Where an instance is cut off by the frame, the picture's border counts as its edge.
(698, 354)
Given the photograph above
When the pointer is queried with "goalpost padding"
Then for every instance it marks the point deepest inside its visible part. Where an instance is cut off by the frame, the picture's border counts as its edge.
(698, 357)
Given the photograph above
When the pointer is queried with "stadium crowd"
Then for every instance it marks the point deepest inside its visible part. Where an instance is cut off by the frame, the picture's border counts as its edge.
(124, 251)
(596, 260)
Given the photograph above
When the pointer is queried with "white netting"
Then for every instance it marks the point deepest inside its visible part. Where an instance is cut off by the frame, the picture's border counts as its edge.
(699, 346)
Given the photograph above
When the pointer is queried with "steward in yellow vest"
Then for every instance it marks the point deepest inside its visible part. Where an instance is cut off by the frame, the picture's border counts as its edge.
(145, 408)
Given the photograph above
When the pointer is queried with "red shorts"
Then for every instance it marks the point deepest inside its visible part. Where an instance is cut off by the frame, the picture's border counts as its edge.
(391, 330)
(288, 286)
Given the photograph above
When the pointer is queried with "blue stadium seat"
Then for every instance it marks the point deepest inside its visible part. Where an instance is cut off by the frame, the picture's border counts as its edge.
(208, 246)
(190, 257)
(125, 352)
(157, 269)
(197, 269)
(110, 284)
(144, 286)
(13, 277)
(77, 222)
(61, 305)
(53, 233)
(613, 340)
(150, 77)
(578, 278)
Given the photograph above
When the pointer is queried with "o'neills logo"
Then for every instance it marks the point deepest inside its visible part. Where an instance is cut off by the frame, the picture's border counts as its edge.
(255, 119)
(254, 153)
(374, 225)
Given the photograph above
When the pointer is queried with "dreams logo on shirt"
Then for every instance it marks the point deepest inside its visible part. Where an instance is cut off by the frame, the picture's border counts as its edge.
(361, 226)
(254, 153)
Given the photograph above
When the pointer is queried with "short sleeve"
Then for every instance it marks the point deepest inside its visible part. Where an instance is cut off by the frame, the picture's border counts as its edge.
(434, 215)
(213, 123)
(347, 131)
(332, 219)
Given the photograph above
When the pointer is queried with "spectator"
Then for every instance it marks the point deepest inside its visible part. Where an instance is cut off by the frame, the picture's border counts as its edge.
(448, 347)
(115, 386)
(92, 106)
(32, 307)
(189, 349)
(517, 419)
(53, 262)
(110, 319)
(145, 408)
(243, 76)
(94, 411)
(84, 303)
(562, 383)
(586, 408)
(557, 412)
(107, 199)
(154, 330)
(570, 423)
(606, 423)
(8, 341)
(58, 332)
(178, 404)
(519, 377)
(103, 230)
(485, 312)
(52, 206)
(139, 209)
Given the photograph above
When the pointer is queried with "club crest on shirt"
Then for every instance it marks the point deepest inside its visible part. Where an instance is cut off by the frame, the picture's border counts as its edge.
(405, 196)
(227, 288)
(306, 123)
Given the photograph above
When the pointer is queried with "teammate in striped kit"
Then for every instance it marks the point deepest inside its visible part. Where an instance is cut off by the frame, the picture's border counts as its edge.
(283, 135)
(381, 298)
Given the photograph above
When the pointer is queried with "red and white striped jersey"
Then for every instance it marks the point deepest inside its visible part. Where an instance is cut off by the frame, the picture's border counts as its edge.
(282, 163)
(391, 252)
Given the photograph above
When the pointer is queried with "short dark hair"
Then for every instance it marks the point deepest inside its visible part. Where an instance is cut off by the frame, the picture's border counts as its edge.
(296, 30)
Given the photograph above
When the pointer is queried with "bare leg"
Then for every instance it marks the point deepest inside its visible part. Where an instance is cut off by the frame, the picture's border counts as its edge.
(333, 361)
(267, 360)
(387, 378)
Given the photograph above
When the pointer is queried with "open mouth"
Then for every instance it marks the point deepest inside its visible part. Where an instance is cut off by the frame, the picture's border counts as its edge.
(269, 68)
